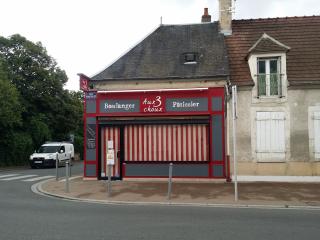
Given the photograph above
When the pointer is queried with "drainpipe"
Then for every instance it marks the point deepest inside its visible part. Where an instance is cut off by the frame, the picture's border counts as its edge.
(227, 100)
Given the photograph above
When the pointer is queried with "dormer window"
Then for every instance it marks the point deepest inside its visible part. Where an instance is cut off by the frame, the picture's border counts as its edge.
(269, 77)
(190, 58)
(267, 63)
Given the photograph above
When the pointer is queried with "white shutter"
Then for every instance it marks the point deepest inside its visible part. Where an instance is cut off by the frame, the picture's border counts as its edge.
(277, 140)
(263, 130)
(270, 132)
(316, 122)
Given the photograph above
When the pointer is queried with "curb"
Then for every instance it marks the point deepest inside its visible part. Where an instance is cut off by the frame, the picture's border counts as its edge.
(37, 188)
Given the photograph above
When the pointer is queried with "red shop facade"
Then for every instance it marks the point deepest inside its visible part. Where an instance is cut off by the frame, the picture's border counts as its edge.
(149, 129)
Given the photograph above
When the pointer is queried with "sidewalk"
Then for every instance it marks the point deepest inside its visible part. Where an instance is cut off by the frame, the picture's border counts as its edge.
(194, 193)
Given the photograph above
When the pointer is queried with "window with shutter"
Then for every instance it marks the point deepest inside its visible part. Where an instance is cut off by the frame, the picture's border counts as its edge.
(270, 133)
(316, 125)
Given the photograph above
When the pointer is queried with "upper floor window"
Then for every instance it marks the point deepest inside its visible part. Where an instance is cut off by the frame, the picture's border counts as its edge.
(269, 77)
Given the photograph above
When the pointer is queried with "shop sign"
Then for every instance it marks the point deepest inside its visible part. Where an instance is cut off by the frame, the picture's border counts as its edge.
(110, 157)
(121, 106)
(84, 84)
(153, 104)
(91, 95)
(186, 104)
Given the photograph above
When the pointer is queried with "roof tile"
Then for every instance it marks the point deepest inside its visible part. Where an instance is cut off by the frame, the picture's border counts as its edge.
(160, 55)
(301, 34)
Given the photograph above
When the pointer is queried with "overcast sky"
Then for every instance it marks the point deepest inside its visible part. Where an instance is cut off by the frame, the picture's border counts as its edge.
(86, 36)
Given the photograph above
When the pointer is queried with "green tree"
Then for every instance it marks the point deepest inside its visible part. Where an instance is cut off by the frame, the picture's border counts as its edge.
(10, 113)
(34, 73)
(10, 108)
(19, 147)
(76, 101)
(39, 109)
(39, 130)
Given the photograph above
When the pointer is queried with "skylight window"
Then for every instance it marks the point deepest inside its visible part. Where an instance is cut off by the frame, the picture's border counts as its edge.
(190, 58)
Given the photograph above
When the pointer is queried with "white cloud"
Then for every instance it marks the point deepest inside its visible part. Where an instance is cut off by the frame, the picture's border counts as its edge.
(274, 8)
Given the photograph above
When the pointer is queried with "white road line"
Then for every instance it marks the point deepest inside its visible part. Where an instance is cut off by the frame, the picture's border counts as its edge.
(37, 178)
(8, 175)
(71, 178)
(16, 178)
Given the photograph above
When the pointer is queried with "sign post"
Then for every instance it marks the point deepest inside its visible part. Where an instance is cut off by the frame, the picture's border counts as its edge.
(234, 126)
(57, 166)
(110, 163)
(170, 181)
(109, 180)
(67, 176)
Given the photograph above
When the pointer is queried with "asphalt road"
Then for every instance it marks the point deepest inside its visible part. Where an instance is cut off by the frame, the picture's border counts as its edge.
(25, 215)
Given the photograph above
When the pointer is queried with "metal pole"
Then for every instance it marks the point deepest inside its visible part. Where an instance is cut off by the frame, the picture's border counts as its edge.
(57, 167)
(170, 181)
(70, 166)
(234, 117)
(67, 176)
(109, 180)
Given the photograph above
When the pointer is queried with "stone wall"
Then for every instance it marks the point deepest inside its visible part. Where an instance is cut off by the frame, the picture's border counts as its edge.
(298, 106)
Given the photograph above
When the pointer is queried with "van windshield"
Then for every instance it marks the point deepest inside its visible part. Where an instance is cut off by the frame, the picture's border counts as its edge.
(48, 149)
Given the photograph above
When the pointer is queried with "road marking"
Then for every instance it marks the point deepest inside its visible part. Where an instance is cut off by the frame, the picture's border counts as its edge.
(71, 178)
(16, 178)
(8, 175)
(37, 178)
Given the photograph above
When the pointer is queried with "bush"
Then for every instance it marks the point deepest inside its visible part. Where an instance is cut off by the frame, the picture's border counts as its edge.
(19, 149)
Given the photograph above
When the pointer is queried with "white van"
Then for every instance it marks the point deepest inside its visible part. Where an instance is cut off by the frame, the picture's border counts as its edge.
(47, 154)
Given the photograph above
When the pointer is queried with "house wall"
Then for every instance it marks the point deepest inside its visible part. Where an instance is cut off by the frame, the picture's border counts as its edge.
(299, 138)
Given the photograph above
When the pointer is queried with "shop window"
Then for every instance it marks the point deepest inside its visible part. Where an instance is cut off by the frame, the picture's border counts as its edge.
(166, 143)
(270, 135)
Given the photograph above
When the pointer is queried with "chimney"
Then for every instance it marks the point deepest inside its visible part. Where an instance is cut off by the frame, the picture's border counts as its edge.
(225, 16)
(206, 17)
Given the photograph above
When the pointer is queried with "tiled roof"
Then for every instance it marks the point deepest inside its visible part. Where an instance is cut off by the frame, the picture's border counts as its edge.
(267, 44)
(301, 34)
(160, 55)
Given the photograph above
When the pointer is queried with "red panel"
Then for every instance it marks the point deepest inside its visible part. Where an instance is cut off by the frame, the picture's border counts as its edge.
(103, 165)
(151, 96)
(151, 103)
(193, 140)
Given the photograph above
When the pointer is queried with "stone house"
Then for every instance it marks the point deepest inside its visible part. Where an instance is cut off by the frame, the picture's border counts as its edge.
(166, 101)
(161, 102)
(275, 63)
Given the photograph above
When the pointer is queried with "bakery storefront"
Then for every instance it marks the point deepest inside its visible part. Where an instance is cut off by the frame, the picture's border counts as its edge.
(150, 129)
